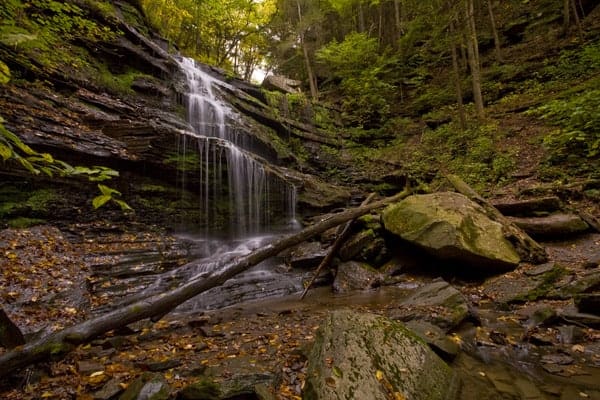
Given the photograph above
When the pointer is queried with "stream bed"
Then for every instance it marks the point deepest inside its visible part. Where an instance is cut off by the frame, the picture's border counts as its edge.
(256, 323)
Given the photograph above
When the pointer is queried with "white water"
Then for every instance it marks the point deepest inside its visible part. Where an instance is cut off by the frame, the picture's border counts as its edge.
(228, 175)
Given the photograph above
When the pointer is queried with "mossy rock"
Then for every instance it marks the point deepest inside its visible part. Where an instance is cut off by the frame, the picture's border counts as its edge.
(365, 356)
(452, 227)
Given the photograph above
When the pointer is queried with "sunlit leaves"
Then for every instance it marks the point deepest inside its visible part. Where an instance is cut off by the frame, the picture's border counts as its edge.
(227, 33)
(4, 73)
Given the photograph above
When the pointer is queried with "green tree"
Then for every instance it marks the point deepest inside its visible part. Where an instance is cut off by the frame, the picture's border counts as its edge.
(358, 65)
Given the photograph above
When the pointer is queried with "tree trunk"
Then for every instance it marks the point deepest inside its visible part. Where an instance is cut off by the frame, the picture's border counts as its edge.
(527, 248)
(577, 20)
(398, 19)
(312, 82)
(495, 32)
(61, 342)
(361, 18)
(566, 17)
(456, 75)
(473, 57)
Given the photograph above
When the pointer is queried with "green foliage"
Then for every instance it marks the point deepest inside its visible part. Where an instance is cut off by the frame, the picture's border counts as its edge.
(575, 63)
(24, 222)
(43, 33)
(214, 31)
(109, 194)
(189, 161)
(12, 149)
(578, 120)
(472, 153)
(356, 62)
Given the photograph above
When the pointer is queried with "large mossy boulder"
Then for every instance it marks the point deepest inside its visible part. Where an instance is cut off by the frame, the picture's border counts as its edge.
(365, 356)
(452, 227)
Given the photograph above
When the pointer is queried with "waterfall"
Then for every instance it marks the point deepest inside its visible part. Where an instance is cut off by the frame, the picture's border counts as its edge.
(237, 193)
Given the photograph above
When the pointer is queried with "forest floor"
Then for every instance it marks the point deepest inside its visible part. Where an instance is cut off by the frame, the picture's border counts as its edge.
(45, 273)
(46, 277)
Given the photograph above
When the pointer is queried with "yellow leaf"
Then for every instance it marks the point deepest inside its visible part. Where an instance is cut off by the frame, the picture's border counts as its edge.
(97, 373)
(379, 375)
(578, 348)
(47, 394)
(399, 396)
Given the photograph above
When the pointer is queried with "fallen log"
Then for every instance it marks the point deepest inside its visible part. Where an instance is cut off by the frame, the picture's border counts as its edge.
(528, 249)
(59, 343)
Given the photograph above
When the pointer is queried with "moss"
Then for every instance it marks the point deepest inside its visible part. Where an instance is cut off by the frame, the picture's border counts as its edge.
(546, 284)
(204, 389)
(23, 222)
(41, 200)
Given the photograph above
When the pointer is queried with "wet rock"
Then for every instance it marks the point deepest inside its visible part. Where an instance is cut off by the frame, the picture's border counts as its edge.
(572, 315)
(592, 261)
(540, 316)
(553, 226)
(540, 269)
(529, 206)
(149, 386)
(202, 390)
(366, 245)
(571, 334)
(88, 367)
(355, 244)
(161, 365)
(307, 255)
(452, 227)
(510, 288)
(354, 275)
(239, 378)
(587, 282)
(436, 339)
(356, 356)
(437, 302)
(109, 391)
(588, 303)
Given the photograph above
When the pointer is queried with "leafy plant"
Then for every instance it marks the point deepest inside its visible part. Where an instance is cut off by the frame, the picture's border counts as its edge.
(356, 62)
(109, 194)
(13, 149)
(578, 120)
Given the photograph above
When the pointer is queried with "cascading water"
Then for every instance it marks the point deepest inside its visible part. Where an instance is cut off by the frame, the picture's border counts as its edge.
(237, 193)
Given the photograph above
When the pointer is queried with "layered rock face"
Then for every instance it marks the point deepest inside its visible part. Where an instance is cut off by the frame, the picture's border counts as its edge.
(102, 89)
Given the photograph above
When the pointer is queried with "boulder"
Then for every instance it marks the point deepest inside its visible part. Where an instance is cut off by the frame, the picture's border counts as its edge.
(365, 356)
(449, 304)
(354, 275)
(149, 386)
(366, 245)
(307, 255)
(281, 84)
(452, 227)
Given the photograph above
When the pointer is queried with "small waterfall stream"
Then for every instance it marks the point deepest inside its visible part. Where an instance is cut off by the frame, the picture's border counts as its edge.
(236, 191)
(242, 203)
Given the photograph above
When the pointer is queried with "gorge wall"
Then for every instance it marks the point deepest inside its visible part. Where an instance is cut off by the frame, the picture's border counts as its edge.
(103, 89)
